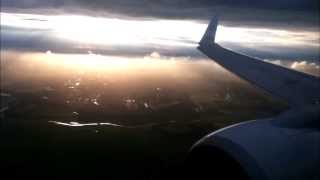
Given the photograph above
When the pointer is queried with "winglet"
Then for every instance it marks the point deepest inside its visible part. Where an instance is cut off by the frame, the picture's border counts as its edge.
(210, 34)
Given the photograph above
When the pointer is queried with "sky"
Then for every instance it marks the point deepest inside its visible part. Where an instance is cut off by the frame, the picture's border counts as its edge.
(284, 32)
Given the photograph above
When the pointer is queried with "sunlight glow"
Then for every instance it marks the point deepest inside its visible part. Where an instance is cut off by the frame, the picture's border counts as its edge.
(116, 67)
(261, 36)
(110, 31)
(87, 30)
(95, 63)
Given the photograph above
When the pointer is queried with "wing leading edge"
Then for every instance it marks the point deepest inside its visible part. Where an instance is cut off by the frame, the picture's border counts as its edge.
(297, 88)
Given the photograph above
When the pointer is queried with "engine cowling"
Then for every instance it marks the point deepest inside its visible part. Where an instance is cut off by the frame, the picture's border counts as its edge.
(285, 147)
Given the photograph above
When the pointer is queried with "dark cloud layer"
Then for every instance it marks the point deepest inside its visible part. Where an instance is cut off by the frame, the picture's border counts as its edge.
(293, 14)
(277, 13)
(35, 40)
(270, 4)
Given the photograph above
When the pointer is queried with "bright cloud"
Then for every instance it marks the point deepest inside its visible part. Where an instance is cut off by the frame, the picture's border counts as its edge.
(305, 66)
(312, 68)
(112, 31)
(136, 37)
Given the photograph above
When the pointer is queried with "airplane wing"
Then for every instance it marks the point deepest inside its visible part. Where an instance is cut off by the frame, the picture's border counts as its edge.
(297, 88)
(282, 147)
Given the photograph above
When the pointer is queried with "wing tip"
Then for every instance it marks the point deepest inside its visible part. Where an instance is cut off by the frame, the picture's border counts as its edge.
(210, 34)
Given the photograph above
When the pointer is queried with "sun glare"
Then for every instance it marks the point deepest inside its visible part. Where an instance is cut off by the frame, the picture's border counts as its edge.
(95, 62)
(116, 68)
(111, 31)
(86, 30)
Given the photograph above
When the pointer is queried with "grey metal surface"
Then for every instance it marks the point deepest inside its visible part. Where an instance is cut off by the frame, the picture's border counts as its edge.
(283, 147)
(297, 88)
(266, 150)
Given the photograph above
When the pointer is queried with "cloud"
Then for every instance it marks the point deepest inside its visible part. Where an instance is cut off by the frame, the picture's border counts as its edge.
(271, 4)
(308, 67)
(155, 55)
(174, 69)
(284, 13)
(305, 66)
(275, 61)
(18, 32)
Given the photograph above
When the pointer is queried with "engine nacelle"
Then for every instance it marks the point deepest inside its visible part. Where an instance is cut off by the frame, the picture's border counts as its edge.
(285, 147)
